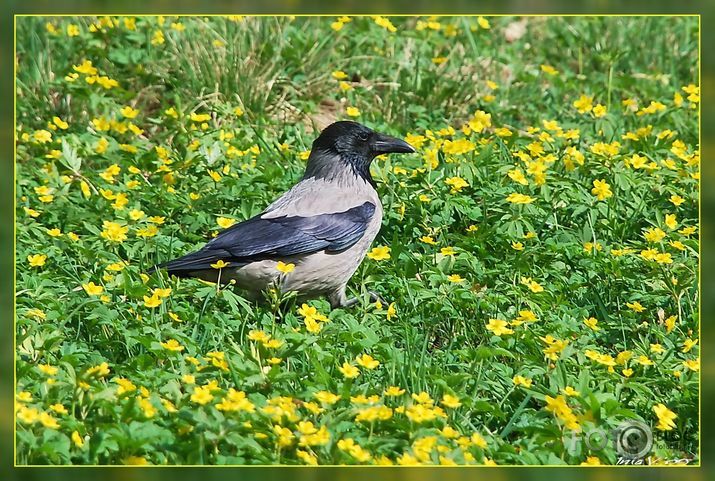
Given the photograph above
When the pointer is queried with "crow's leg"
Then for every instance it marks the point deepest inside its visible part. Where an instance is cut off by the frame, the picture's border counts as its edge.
(375, 297)
(339, 299)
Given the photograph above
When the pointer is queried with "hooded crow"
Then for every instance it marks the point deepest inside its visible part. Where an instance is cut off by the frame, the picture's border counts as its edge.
(324, 225)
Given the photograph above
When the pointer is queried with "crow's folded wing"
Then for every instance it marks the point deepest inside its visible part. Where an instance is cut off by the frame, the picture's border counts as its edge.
(277, 237)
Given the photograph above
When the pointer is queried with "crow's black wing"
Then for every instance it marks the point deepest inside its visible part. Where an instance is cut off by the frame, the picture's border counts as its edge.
(278, 237)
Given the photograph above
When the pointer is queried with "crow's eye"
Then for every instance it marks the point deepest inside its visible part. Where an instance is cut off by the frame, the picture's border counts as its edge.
(363, 136)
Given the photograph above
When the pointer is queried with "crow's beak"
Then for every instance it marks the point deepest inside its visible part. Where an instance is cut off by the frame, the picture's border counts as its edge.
(384, 144)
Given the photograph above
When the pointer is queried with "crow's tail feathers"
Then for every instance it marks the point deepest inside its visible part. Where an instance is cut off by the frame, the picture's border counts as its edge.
(185, 265)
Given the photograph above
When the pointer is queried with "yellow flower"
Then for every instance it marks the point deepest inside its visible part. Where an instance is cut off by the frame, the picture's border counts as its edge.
(688, 344)
(352, 111)
(285, 268)
(339, 75)
(676, 200)
(584, 104)
(687, 231)
(569, 391)
(379, 253)
(85, 68)
(533, 286)
(305, 456)
(692, 364)
(601, 189)
(92, 289)
(517, 176)
(483, 23)
(516, 198)
(456, 278)
(517, 246)
(28, 415)
(220, 264)
(172, 345)
(427, 240)
(599, 111)
(423, 398)
(48, 421)
(312, 326)
(549, 70)
(135, 461)
(72, 30)
(643, 360)
(199, 117)
(77, 439)
(456, 183)
(152, 301)
(385, 23)
(349, 371)
(636, 306)
(666, 417)
(671, 221)
(592, 323)
(498, 327)
(42, 136)
(47, 369)
(129, 112)
(450, 401)
(100, 370)
(162, 292)
(524, 316)
(521, 381)
(273, 343)
(157, 37)
(202, 395)
(367, 361)
(448, 251)
(259, 336)
(326, 397)
(114, 232)
(60, 123)
(37, 260)
(393, 391)
(663, 258)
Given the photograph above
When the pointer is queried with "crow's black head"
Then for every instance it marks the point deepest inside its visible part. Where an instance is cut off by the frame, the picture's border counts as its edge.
(345, 148)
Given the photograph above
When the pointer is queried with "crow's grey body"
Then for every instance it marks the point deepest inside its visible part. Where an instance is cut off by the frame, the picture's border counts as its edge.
(324, 225)
(318, 273)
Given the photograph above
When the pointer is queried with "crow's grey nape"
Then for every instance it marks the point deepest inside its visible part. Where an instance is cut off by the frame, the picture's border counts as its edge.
(332, 166)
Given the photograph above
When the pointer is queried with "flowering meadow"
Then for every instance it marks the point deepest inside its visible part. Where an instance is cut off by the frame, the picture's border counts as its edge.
(538, 258)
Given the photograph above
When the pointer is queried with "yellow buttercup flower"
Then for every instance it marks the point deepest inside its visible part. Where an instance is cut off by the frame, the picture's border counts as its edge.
(450, 401)
(92, 289)
(37, 260)
(128, 112)
(285, 268)
(666, 417)
(172, 345)
(367, 361)
(379, 253)
(601, 189)
(349, 371)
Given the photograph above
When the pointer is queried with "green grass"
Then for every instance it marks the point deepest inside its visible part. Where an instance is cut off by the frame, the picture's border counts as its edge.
(588, 257)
